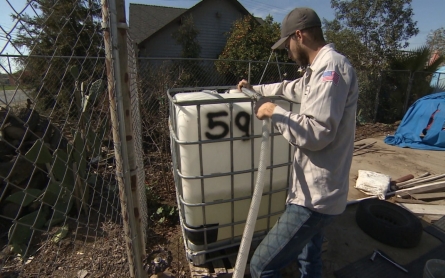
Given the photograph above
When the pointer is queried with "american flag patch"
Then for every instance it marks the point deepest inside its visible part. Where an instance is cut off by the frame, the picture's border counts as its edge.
(331, 76)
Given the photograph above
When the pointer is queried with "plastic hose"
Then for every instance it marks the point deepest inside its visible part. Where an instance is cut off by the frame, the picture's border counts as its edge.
(246, 240)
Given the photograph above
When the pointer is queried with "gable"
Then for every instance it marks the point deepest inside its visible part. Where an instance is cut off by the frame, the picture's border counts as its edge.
(145, 20)
(212, 18)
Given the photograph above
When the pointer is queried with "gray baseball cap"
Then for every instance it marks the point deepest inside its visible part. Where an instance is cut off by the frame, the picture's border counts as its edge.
(297, 19)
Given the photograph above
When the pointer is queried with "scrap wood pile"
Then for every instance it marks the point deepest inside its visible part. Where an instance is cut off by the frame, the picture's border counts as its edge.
(424, 195)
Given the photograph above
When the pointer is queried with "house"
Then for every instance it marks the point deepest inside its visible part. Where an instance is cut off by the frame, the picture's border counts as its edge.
(438, 80)
(151, 27)
(4, 79)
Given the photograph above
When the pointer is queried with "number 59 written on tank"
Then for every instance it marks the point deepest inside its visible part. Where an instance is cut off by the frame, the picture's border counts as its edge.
(221, 119)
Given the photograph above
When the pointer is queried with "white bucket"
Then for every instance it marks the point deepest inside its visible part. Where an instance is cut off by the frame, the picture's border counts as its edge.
(434, 268)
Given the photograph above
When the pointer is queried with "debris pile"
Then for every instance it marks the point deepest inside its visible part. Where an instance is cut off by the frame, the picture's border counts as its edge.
(424, 196)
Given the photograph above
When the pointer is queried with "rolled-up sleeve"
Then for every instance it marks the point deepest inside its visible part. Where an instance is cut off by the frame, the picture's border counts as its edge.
(323, 104)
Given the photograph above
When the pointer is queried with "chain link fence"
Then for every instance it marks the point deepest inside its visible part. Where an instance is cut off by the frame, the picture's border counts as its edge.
(386, 96)
(383, 97)
(70, 156)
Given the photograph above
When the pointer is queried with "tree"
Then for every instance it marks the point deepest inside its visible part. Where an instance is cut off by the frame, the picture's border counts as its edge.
(436, 41)
(369, 33)
(187, 37)
(60, 29)
(248, 40)
(408, 80)
(346, 42)
(378, 27)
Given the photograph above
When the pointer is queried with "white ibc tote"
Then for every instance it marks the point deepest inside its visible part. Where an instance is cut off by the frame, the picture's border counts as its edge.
(215, 143)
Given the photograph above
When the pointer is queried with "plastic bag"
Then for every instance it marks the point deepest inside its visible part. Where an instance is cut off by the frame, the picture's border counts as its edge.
(372, 183)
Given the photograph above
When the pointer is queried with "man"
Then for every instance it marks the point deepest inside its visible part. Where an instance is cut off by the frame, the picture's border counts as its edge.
(323, 134)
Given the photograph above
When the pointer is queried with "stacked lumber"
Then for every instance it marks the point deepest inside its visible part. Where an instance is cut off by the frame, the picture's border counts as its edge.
(424, 196)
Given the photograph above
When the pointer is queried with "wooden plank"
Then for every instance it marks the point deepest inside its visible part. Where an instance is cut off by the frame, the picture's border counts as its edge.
(218, 266)
(232, 260)
(430, 187)
(429, 196)
(365, 146)
(411, 182)
(217, 263)
(441, 202)
(409, 201)
(199, 271)
(425, 209)
(432, 218)
(414, 201)
(230, 266)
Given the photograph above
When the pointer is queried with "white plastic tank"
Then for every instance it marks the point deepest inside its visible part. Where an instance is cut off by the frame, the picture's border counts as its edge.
(216, 162)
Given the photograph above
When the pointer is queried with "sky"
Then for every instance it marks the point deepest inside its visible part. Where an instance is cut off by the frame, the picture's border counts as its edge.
(427, 13)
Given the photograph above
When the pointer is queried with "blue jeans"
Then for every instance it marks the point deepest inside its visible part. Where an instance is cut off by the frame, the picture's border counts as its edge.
(297, 236)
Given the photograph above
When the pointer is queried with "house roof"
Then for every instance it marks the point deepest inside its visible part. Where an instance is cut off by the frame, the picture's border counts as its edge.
(146, 20)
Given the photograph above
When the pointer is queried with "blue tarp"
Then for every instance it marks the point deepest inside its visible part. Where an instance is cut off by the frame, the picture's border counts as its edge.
(423, 126)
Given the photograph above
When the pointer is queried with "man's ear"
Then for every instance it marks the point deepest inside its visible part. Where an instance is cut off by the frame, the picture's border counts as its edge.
(298, 35)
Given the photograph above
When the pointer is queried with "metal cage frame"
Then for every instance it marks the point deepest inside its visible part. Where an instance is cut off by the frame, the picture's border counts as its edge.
(200, 254)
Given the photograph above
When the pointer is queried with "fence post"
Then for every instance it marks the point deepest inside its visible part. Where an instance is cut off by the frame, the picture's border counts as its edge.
(248, 75)
(408, 92)
(377, 97)
(113, 16)
(129, 135)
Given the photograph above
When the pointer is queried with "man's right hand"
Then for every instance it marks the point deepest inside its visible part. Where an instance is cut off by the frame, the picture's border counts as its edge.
(244, 84)
(264, 108)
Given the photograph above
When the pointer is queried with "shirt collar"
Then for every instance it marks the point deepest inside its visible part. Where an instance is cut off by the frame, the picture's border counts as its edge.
(328, 47)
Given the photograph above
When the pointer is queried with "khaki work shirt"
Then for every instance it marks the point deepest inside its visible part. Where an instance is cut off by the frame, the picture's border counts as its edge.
(322, 132)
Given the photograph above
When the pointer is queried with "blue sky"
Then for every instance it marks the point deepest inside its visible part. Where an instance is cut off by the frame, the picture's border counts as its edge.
(427, 13)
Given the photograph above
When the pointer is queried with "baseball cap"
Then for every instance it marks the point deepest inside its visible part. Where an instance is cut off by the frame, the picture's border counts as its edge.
(297, 19)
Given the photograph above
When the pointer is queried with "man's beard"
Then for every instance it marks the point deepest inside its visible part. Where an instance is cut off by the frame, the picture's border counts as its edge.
(302, 58)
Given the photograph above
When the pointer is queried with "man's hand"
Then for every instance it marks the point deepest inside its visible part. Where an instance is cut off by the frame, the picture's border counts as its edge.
(244, 84)
(264, 108)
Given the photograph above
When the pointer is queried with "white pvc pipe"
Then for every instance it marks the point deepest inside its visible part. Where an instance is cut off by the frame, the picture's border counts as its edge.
(243, 253)
(411, 183)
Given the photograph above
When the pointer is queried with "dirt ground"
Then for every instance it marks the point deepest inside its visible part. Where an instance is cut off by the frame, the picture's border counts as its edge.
(106, 255)
(346, 241)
